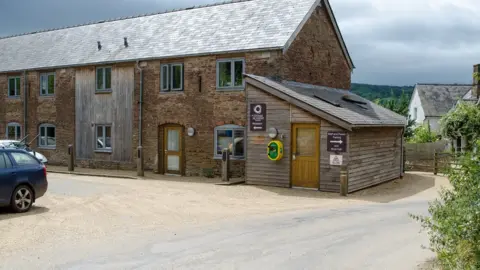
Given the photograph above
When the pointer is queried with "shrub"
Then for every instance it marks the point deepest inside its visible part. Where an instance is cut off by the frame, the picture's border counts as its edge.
(422, 134)
(454, 224)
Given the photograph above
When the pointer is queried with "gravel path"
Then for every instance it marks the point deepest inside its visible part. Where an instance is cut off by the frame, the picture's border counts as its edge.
(83, 212)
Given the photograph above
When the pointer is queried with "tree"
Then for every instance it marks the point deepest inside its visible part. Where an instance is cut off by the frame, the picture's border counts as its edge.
(423, 134)
(454, 224)
(462, 121)
(399, 106)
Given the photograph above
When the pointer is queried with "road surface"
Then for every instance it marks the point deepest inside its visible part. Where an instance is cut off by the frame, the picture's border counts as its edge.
(373, 236)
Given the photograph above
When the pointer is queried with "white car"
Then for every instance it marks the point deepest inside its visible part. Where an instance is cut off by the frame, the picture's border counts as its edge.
(21, 145)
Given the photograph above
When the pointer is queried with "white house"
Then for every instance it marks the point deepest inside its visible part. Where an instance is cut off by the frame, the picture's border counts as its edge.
(430, 102)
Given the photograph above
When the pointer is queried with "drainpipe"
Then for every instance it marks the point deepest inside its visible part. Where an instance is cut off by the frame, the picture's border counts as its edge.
(140, 109)
(25, 104)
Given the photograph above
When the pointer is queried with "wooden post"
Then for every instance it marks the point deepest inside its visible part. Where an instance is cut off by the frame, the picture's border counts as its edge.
(435, 163)
(225, 164)
(140, 167)
(70, 158)
(343, 181)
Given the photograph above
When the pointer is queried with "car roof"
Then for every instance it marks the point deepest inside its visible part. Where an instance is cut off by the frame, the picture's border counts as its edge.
(11, 150)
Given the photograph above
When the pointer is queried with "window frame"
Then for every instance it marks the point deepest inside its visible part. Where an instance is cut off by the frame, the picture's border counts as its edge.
(232, 66)
(169, 77)
(104, 80)
(415, 113)
(103, 149)
(46, 137)
(17, 91)
(17, 136)
(233, 128)
(47, 74)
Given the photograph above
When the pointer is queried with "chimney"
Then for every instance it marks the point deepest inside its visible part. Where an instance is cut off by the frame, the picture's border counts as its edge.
(476, 81)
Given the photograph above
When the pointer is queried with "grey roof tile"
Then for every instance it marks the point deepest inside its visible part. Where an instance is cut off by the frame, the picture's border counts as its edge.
(438, 99)
(237, 26)
(347, 111)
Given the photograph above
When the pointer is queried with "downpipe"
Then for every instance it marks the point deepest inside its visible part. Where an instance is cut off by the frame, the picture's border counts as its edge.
(25, 104)
(402, 154)
(140, 108)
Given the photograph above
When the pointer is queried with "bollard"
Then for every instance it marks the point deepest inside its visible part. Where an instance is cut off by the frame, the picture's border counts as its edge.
(343, 182)
(225, 164)
(435, 163)
(140, 170)
(70, 158)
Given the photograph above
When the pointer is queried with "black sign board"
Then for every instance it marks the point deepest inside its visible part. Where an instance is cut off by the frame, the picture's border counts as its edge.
(258, 117)
(336, 142)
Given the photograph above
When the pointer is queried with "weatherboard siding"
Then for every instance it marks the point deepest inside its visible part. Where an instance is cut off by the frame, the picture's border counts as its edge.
(375, 156)
(113, 109)
(281, 115)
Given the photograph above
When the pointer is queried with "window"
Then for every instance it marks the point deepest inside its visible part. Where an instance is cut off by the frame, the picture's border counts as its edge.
(230, 74)
(23, 159)
(47, 84)
(47, 138)
(14, 87)
(5, 162)
(103, 138)
(231, 137)
(14, 131)
(104, 79)
(172, 77)
(415, 110)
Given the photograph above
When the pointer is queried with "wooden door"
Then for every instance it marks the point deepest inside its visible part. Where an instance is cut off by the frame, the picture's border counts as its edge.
(305, 155)
(173, 148)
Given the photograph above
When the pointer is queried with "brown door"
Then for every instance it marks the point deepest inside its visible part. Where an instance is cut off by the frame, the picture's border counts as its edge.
(173, 150)
(305, 155)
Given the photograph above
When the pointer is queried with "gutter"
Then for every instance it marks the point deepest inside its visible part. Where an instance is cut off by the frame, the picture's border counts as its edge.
(140, 108)
(25, 104)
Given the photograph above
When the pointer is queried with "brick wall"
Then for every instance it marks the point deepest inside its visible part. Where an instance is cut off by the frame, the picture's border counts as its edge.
(315, 56)
(11, 109)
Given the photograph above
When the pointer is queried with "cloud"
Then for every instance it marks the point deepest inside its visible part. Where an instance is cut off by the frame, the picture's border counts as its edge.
(390, 41)
(409, 41)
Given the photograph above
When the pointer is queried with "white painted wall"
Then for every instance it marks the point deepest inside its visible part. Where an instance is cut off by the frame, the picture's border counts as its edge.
(434, 123)
(416, 103)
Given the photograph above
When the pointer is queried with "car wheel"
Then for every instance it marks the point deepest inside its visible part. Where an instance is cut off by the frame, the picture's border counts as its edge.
(22, 199)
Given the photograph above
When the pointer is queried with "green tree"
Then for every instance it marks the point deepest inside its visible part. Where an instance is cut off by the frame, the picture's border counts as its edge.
(400, 106)
(464, 120)
(423, 134)
(454, 222)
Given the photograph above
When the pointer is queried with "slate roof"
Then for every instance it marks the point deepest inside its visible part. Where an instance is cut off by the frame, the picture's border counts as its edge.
(323, 98)
(234, 26)
(438, 99)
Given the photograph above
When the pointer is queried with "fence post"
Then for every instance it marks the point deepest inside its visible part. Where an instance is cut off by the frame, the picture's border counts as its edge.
(343, 181)
(435, 163)
(404, 158)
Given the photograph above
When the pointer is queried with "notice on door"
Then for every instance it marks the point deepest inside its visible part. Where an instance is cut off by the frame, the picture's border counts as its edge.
(258, 117)
(337, 142)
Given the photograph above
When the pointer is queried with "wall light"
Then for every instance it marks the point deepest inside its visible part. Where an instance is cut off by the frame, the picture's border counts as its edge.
(272, 133)
(190, 131)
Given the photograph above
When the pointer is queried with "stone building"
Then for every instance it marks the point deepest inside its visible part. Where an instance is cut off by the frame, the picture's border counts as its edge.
(171, 82)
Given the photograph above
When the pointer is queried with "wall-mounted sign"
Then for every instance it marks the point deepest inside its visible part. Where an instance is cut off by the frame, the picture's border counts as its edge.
(258, 117)
(336, 142)
(336, 160)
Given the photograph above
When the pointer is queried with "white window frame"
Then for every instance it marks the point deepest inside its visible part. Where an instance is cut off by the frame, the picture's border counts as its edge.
(46, 126)
(232, 63)
(104, 89)
(415, 112)
(233, 128)
(17, 91)
(169, 77)
(104, 129)
(46, 76)
(17, 126)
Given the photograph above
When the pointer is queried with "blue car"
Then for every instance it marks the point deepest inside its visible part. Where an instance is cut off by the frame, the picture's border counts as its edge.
(23, 179)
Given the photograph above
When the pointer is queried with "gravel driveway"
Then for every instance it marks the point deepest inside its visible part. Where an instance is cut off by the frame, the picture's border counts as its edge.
(80, 211)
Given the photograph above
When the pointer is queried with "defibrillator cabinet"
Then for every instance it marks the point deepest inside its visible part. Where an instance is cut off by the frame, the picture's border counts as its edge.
(275, 150)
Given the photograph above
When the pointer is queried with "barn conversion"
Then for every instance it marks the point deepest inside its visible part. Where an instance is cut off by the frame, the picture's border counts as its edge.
(173, 83)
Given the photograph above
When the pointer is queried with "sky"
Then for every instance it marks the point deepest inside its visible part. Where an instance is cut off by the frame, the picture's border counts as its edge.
(391, 42)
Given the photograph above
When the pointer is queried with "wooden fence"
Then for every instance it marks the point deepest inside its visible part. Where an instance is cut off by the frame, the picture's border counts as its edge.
(421, 156)
(445, 161)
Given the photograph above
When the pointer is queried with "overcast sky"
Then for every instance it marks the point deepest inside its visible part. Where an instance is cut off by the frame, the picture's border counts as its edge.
(397, 42)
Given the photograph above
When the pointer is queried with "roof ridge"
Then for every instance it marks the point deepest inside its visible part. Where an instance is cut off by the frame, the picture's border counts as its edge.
(128, 17)
(449, 84)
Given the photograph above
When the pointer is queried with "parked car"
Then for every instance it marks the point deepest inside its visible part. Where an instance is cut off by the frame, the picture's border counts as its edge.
(20, 145)
(23, 179)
